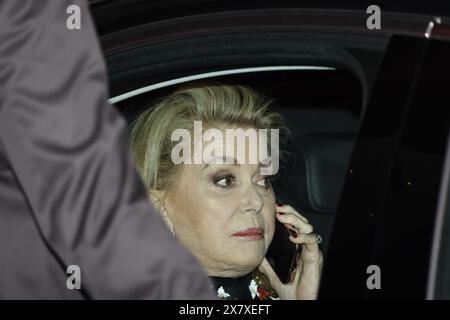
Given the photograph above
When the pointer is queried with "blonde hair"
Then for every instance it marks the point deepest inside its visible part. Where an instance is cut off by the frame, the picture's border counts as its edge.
(213, 103)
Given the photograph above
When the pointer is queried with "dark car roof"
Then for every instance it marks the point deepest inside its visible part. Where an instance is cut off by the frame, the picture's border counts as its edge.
(114, 15)
(177, 7)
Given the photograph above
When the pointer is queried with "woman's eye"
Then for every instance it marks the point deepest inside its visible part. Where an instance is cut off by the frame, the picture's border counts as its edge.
(265, 182)
(224, 181)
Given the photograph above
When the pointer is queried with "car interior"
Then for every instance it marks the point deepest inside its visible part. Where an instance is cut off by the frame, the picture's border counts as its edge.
(320, 83)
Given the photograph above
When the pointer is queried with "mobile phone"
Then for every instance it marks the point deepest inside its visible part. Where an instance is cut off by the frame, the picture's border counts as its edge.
(283, 255)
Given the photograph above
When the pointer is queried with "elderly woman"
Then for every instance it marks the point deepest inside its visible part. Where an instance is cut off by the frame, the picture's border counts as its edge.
(223, 210)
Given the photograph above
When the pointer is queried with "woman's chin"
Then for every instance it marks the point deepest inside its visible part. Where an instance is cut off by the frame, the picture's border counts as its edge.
(251, 255)
(248, 263)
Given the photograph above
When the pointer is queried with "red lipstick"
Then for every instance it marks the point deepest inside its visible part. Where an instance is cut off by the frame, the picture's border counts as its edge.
(250, 234)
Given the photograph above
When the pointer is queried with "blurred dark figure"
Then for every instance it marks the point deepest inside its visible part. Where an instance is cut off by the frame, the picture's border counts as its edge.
(69, 192)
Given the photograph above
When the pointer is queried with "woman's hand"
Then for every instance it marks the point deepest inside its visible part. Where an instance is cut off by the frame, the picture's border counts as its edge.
(305, 285)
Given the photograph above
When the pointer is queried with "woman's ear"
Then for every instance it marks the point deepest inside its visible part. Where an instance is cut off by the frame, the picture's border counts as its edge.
(158, 200)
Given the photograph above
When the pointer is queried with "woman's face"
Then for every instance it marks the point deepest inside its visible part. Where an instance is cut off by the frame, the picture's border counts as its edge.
(223, 213)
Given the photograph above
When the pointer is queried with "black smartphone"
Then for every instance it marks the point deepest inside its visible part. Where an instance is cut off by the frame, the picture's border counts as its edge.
(283, 255)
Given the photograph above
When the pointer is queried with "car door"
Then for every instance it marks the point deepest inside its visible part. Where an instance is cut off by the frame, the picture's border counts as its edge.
(384, 234)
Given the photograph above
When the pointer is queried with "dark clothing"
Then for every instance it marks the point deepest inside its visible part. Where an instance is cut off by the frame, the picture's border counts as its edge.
(69, 192)
(236, 288)
(252, 286)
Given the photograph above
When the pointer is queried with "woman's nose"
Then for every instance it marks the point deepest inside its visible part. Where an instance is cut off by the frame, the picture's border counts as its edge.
(251, 200)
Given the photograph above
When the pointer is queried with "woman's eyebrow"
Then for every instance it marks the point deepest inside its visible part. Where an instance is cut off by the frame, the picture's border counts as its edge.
(221, 160)
(261, 165)
(265, 162)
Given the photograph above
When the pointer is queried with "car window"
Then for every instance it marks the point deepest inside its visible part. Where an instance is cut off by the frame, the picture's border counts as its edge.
(388, 209)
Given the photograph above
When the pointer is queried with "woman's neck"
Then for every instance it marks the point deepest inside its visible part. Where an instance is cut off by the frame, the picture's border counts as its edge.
(227, 273)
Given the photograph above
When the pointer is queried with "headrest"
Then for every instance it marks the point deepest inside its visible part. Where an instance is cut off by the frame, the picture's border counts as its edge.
(315, 182)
